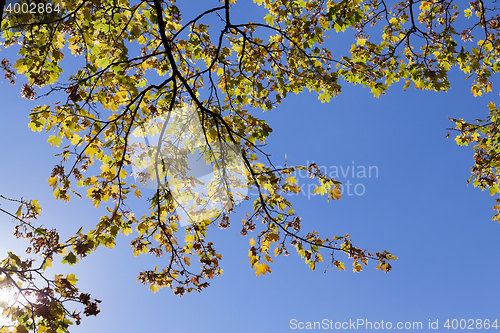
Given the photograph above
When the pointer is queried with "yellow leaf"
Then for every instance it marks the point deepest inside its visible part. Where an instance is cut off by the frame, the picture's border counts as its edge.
(262, 268)
(48, 263)
(476, 91)
(18, 212)
(71, 278)
(259, 165)
(54, 141)
(425, 6)
(127, 231)
(52, 182)
(141, 40)
(36, 206)
(189, 238)
(146, 65)
(61, 39)
(137, 193)
(76, 139)
(390, 256)
(90, 151)
(154, 288)
(252, 242)
(361, 42)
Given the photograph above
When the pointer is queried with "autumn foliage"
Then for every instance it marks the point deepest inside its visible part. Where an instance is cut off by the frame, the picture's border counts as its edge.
(137, 61)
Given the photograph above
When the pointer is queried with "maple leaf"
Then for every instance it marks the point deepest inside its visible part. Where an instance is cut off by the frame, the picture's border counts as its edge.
(262, 268)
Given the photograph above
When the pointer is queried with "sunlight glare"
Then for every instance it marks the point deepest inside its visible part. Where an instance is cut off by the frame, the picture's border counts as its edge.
(6, 297)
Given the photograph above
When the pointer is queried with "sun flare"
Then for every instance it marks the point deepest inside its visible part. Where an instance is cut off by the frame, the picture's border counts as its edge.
(7, 297)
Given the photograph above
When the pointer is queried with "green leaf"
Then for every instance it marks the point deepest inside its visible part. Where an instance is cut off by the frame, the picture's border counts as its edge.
(103, 62)
(70, 259)
(15, 258)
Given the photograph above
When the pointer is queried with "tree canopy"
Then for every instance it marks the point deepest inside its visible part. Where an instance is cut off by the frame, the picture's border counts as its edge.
(135, 63)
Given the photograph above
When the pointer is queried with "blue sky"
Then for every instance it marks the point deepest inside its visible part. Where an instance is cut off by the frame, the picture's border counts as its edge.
(418, 208)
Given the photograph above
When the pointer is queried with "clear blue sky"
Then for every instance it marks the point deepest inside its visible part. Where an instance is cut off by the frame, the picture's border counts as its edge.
(418, 208)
